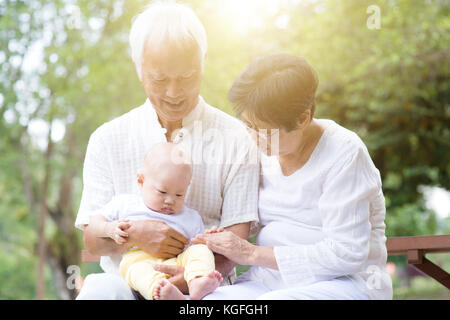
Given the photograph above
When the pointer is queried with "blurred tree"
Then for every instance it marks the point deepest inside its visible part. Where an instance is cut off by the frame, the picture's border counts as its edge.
(49, 110)
(391, 86)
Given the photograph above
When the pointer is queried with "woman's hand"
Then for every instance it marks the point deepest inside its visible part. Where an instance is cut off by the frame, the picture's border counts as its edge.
(227, 244)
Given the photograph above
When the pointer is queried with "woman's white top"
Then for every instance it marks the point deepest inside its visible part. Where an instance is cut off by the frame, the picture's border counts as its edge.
(326, 220)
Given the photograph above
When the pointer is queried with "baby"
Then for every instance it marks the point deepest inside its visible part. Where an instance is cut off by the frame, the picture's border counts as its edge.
(163, 181)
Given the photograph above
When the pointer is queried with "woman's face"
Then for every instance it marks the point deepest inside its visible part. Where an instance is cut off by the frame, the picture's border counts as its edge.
(271, 140)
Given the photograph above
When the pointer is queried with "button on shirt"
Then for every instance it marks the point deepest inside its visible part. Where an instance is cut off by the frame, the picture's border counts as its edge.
(224, 185)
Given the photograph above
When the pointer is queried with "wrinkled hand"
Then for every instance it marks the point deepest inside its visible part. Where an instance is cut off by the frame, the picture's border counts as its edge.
(157, 238)
(176, 274)
(116, 230)
(227, 244)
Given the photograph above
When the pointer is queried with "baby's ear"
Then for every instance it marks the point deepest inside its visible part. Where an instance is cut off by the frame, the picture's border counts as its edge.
(140, 178)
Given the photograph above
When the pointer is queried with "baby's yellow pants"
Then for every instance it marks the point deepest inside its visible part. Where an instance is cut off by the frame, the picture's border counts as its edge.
(137, 267)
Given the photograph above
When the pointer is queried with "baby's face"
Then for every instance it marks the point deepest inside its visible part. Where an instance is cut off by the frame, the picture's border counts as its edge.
(164, 191)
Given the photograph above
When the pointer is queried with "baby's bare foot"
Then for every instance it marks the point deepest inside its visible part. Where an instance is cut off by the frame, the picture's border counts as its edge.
(164, 290)
(200, 287)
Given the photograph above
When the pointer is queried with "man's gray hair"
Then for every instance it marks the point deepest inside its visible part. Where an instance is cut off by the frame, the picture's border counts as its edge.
(165, 22)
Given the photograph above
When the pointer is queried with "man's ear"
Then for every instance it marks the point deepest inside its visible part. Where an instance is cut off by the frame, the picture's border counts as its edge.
(139, 73)
(203, 62)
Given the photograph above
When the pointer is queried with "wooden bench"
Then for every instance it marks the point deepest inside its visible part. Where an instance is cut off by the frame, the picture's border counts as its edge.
(415, 248)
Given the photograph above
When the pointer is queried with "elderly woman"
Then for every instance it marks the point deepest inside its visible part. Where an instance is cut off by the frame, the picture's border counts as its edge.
(321, 205)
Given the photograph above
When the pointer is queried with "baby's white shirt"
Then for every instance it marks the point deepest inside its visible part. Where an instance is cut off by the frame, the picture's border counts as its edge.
(130, 206)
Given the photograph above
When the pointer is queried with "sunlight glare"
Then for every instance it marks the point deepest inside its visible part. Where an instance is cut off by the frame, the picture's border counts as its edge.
(250, 14)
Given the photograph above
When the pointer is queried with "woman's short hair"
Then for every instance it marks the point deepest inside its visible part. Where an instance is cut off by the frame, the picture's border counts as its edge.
(166, 22)
(275, 89)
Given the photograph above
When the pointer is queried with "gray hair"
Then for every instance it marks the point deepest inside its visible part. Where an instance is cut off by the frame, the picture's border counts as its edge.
(165, 22)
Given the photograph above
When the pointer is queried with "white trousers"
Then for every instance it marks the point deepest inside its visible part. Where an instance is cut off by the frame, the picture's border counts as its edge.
(337, 289)
(109, 286)
(105, 286)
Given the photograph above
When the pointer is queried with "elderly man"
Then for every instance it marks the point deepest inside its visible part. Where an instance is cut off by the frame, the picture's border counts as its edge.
(168, 47)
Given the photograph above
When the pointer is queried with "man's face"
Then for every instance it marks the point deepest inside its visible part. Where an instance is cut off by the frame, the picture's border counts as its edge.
(172, 79)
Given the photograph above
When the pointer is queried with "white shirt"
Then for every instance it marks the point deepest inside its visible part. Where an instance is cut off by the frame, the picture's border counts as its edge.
(224, 185)
(326, 220)
(130, 206)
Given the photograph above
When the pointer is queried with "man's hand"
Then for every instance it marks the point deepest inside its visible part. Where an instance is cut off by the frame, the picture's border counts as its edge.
(156, 238)
(176, 274)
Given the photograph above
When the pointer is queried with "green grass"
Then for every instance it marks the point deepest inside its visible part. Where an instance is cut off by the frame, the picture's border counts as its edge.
(241, 269)
(423, 288)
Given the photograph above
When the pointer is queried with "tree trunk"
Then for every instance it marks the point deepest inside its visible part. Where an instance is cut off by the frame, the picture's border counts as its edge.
(40, 274)
(42, 242)
(65, 245)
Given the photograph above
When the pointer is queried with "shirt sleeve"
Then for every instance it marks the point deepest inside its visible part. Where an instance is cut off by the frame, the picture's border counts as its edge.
(201, 226)
(97, 180)
(111, 210)
(240, 193)
(344, 210)
(196, 225)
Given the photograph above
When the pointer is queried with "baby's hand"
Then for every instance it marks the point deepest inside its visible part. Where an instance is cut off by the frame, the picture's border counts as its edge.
(117, 231)
(198, 238)
(214, 230)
